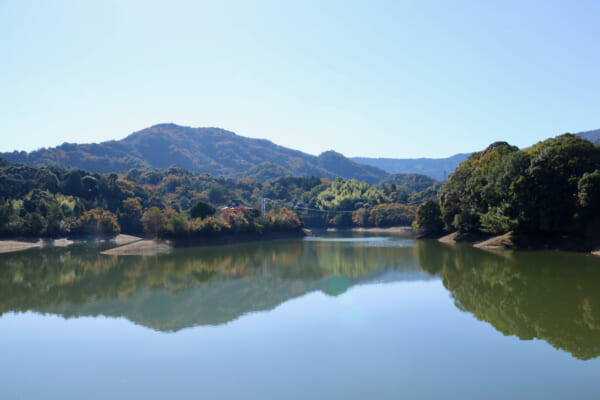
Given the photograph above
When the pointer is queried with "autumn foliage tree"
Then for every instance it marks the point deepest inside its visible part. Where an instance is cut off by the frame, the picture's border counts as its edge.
(154, 221)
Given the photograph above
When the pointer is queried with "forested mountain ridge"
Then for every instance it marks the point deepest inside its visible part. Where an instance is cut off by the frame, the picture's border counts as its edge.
(219, 152)
(211, 151)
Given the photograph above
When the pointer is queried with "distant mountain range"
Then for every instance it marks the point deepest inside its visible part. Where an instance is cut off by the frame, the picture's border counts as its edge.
(438, 168)
(217, 152)
(212, 151)
(592, 136)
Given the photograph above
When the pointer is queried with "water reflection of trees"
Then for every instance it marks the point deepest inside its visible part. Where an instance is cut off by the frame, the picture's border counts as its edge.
(545, 295)
(189, 286)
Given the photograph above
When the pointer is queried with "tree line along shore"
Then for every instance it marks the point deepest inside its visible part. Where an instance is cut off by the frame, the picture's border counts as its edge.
(176, 204)
(544, 196)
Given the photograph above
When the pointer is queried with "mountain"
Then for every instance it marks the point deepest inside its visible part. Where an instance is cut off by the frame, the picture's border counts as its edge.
(219, 152)
(592, 136)
(340, 165)
(212, 151)
(438, 168)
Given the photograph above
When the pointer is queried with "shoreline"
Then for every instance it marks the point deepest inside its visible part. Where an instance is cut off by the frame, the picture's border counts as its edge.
(136, 245)
(512, 241)
(158, 246)
(133, 245)
(12, 245)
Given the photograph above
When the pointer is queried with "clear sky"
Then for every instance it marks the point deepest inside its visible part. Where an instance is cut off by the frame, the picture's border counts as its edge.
(372, 78)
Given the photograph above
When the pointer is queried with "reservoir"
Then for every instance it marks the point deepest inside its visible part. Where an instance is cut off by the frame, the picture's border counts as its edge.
(336, 316)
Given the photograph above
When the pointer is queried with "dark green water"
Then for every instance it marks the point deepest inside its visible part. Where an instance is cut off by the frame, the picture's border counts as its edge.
(334, 317)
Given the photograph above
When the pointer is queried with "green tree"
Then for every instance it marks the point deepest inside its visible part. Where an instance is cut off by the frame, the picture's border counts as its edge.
(130, 215)
(589, 189)
(429, 217)
(554, 173)
(178, 225)
(154, 221)
(202, 210)
(360, 217)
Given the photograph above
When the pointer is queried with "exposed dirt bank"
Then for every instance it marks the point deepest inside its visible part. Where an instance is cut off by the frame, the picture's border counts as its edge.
(513, 241)
(456, 237)
(159, 246)
(499, 242)
(141, 248)
(20, 244)
(9, 246)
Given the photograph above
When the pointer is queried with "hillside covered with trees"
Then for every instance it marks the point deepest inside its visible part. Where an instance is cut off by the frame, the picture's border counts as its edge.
(211, 151)
(55, 201)
(550, 190)
(219, 152)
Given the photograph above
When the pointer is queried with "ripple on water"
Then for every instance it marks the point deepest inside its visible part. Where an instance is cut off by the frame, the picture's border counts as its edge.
(365, 241)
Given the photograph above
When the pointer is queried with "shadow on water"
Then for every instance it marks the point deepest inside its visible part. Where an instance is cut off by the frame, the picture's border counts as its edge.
(551, 296)
(201, 286)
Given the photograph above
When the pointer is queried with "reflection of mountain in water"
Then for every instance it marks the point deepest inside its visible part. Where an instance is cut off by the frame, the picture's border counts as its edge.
(546, 295)
(194, 286)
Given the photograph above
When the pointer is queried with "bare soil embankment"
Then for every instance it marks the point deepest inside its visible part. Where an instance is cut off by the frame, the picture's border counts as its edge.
(155, 247)
(471, 238)
(21, 244)
(512, 241)
(141, 248)
(500, 242)
(10, 246)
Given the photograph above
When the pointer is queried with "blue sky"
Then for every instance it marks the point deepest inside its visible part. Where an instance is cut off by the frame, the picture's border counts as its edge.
(372, 78)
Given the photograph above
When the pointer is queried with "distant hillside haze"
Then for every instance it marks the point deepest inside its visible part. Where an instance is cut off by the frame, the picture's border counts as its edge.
(592, 136)
(212, 151)
(438, 168)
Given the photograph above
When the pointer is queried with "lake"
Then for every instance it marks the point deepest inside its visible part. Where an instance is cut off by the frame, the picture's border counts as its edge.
(338, 316)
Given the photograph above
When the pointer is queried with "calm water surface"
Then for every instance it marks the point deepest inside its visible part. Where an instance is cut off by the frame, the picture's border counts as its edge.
(335, 317)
